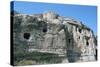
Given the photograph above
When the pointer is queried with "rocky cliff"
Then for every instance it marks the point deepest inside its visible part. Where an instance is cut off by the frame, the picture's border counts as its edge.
(52, 33)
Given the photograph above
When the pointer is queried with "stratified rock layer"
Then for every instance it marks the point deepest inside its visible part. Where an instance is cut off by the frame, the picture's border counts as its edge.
(51, 33)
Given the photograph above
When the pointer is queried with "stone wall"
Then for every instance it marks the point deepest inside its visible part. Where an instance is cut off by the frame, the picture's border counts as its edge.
(51, 33)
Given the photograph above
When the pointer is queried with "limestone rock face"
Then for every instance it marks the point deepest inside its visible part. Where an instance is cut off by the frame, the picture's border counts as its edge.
(51, 33)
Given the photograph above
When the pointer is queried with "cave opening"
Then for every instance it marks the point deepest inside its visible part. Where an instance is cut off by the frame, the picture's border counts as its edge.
(44, 30)
(69, 40)
(80, 30)
(26, 35)
(87, 43)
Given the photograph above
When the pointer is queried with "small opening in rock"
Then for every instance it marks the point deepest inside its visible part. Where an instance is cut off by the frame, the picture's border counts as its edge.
(26, 35)
(69, 40)
(96, 56)
(80, 30)
(79, 37)
(44, 30)
(76, 28)
(87, 43)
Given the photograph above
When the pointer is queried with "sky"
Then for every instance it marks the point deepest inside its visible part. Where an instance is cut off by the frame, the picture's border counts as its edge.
(84, 13)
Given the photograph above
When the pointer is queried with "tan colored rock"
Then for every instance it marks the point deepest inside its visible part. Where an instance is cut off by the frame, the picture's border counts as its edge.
(52, 33)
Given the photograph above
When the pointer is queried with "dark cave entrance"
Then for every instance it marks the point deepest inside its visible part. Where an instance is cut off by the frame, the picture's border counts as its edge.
(44, 30)
(26, 35)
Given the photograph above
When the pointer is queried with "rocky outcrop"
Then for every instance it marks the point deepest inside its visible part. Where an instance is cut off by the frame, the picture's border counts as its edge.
(51, 33)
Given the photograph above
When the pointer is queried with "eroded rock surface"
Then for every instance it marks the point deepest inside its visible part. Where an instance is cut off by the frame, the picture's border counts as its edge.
(51, 33)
